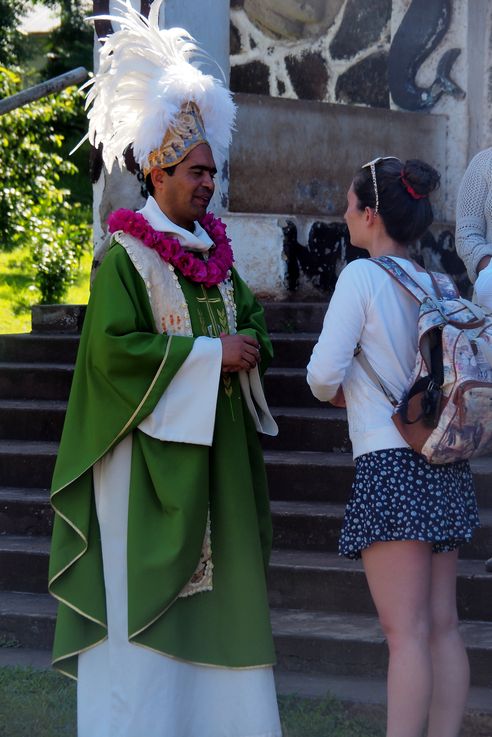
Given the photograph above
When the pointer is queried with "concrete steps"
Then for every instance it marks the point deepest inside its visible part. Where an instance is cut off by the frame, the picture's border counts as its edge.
(323, 581)
(307, 641)
(323, 618)
(27, 619)
(27, 463)
(353, 644)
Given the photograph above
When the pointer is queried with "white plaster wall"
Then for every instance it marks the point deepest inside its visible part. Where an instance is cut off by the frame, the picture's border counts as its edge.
(257, 243)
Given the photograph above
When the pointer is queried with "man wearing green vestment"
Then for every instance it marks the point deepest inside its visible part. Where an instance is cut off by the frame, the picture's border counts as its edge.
(162, 528)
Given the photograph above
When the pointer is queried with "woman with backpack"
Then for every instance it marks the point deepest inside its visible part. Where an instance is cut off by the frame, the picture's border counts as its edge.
(406, 518)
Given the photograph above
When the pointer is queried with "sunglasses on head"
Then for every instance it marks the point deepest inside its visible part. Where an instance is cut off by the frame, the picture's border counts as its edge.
(372, 167)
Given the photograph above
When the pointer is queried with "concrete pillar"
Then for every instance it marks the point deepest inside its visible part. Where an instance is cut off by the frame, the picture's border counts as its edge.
(208, 22)
(479, 76)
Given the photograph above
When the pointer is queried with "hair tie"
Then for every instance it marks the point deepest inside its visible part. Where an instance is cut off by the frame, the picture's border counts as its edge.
(410, 189)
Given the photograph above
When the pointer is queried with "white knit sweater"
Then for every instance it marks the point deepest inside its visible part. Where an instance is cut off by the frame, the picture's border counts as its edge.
(368, 307)
(474, 213)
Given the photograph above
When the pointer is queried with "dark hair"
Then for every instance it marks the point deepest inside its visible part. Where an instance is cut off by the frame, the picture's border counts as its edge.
(403, 190)
(148, 179)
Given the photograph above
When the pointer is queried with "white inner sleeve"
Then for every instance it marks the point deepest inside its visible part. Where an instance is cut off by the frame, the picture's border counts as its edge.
(255, 400)
(483, 288)
(186, 411)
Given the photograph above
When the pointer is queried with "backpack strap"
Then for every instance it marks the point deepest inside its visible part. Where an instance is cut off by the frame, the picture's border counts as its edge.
(444, 285)
(373, 375)
(402, 277)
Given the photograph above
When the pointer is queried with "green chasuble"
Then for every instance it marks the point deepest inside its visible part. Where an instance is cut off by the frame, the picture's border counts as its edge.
(123, 367)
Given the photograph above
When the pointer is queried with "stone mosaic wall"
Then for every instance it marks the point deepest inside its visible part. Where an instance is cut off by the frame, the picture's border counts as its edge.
(395, 54)
(343, 51)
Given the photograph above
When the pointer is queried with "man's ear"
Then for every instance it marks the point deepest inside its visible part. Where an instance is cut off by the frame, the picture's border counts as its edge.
(157, 177)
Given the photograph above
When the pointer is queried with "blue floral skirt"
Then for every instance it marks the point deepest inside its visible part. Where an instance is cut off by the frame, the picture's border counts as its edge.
(397, 495)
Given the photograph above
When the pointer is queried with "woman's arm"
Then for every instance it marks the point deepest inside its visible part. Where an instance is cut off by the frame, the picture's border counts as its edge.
(342, 328)
(472, 245)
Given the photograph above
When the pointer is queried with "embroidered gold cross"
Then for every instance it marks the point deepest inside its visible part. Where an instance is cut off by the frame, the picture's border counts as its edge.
(215, 329)
(207, 301)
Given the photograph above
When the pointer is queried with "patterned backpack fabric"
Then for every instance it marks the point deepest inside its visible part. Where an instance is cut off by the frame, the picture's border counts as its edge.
(446, 413)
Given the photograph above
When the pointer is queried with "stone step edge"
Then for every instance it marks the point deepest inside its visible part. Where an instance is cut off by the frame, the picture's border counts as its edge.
(297, 623)
(285, 622)
(280, 559)
(357, 690)
(36, 366)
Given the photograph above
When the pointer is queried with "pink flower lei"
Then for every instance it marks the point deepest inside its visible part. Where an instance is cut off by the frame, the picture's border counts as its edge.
(210, 272)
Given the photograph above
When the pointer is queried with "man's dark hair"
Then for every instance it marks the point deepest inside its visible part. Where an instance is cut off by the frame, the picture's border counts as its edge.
(148, 179)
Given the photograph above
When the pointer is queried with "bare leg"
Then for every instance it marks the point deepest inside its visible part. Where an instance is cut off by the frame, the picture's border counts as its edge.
(399, 577)
(449, 659)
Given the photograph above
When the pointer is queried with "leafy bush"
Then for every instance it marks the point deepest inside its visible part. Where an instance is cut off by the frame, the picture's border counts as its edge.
(35, 210)
(11, 40)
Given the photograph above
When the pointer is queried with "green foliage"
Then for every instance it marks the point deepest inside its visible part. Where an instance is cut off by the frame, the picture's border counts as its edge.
(35, 210)
(11, 41)
(71, 44)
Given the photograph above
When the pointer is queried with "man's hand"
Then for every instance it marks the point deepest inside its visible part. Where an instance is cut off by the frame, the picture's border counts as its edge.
(239, 352)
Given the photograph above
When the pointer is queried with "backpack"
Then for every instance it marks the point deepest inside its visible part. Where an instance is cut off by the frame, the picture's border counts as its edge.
(446, 412)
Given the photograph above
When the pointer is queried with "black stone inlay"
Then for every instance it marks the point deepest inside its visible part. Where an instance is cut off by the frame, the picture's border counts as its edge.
(280, 87)
(439, 254)
(234, 40)
(252, 78)
(329, 249)
(366, 82)
(308, 75)
(361, 26)
(95, 163)
(422, 29)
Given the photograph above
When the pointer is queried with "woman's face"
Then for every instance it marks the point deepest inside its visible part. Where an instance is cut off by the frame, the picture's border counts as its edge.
(356, 220)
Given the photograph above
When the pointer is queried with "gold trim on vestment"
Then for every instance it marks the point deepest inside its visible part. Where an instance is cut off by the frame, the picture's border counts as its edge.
(205, 665)
(72, 655)
(57, 491)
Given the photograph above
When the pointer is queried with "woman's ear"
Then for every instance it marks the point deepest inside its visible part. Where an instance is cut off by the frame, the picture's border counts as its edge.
(370, 215)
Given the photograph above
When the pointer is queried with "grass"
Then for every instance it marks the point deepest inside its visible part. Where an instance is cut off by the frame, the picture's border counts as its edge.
(325, 717)
(18, 293)
(42, 704)
(36, 704)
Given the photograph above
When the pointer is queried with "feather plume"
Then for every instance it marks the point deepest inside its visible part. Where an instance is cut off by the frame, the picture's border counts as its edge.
(145, 76)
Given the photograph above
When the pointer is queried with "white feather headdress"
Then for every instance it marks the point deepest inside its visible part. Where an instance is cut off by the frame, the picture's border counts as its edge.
(145, 78)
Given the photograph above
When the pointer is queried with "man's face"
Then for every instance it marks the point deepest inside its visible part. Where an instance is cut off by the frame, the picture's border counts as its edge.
(184, 196)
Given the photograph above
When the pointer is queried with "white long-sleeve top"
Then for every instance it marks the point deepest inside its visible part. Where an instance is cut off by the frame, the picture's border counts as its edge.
(474, 213)
(368, 307)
